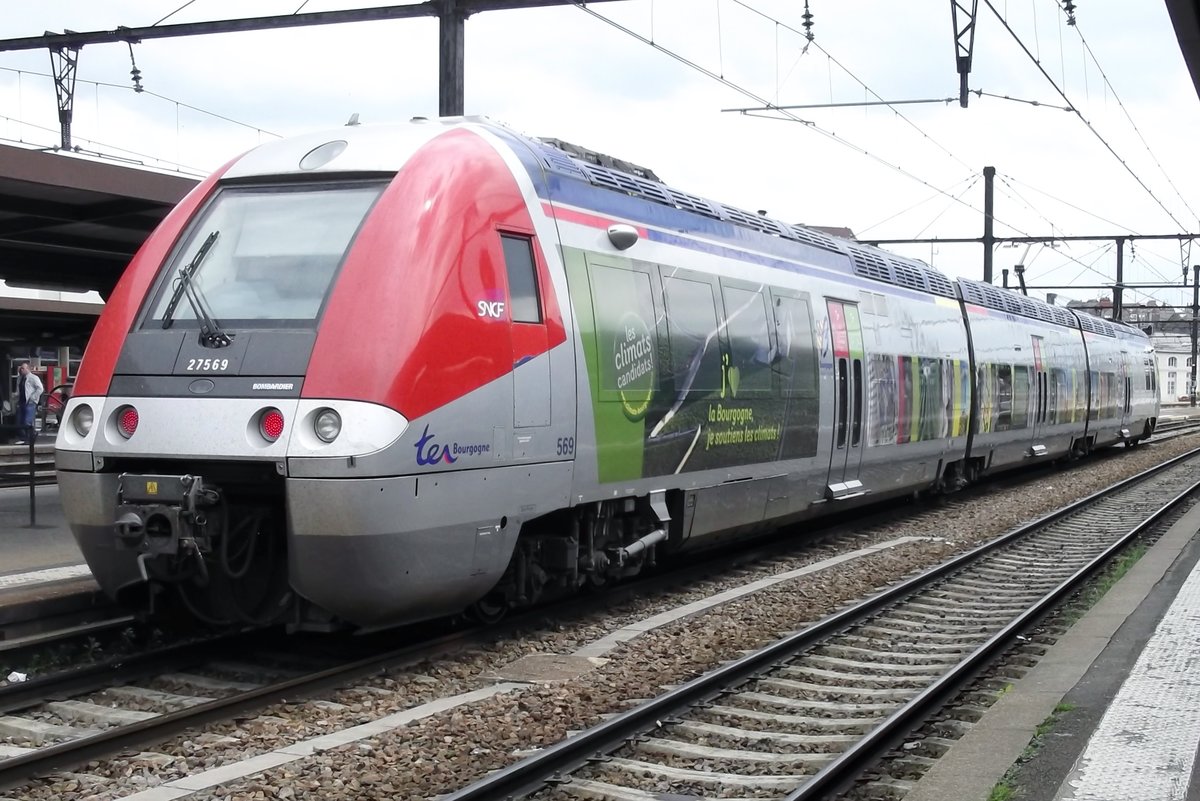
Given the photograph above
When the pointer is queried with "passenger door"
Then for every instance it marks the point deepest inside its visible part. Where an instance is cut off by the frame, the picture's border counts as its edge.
(1040, 402)
(848, 401)
(1127, 368)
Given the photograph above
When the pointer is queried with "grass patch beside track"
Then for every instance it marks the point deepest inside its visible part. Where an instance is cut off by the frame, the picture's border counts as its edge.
(1006, 788)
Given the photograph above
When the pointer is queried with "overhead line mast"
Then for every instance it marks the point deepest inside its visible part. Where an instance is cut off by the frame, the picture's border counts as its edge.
(964, 43)
(451, 14)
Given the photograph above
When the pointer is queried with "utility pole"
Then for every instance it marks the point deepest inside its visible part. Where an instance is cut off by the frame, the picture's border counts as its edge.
(989, 238)
(452, 26)
(1120, 284)
(452, 14)
(1195, 312)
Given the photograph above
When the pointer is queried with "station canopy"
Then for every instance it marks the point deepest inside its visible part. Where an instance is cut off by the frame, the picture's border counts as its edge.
(70, 222)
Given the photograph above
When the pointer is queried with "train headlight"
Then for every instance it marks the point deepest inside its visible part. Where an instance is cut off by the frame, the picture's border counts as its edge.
(270, 424)
(82, 419)
(327, 425)
(127, 421)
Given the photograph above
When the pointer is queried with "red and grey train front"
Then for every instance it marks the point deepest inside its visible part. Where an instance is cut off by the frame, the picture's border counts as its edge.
(294, 402)
(173, 475)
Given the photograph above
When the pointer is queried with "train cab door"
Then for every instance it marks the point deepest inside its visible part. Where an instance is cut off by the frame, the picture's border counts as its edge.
(849, 392)
(532, 400)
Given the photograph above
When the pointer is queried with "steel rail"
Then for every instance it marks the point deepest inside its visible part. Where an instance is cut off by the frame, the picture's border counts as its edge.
(552, 764)
(119, 670)
(63, 634)
(17, 770)
(125, 670)
(845, 769)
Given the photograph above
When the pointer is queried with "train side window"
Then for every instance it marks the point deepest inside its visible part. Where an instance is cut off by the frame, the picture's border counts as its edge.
(930, 387)
(692, 328)
(1056, 378)
(1021, 395)
(626, 337)
(1004, 397)
(749, 340)
(882, 393)
(523, 302)
(797, 361)
(1093, 395)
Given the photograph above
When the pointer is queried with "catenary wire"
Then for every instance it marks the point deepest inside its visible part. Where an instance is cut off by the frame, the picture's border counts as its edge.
(1057, 199)
(972, 179)
(786, 116)
(858, 80)
(946, 208)
(198, 171)
(173, 13)
(152, 94)
(1085, 121)
(1108, 84)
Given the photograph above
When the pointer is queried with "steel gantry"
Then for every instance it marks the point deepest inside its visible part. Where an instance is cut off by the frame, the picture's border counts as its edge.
(452, 16)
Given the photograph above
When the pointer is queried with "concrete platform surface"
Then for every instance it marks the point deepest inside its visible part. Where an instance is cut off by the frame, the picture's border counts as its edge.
(24, 548)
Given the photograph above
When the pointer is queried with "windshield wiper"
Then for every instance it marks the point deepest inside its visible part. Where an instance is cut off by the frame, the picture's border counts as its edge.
(211, 334)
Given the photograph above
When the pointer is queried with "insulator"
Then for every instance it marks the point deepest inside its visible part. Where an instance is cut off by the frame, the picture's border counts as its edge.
(808, 23)
(1069, 7)
(135, 72)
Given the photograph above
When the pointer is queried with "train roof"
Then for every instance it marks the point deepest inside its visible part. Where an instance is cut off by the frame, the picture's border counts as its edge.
(377, 151)
(607, 172)
(604, 172)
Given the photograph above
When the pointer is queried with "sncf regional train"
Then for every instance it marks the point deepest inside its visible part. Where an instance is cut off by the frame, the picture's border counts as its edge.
(382, 374)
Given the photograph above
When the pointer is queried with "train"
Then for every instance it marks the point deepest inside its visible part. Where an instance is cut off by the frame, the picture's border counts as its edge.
(382, 374)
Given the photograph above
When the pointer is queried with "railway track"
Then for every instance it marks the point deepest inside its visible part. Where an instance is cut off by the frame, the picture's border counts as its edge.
(803, 718)
(88, 712)
(72, 717)
(163, 706)
(1170, 429)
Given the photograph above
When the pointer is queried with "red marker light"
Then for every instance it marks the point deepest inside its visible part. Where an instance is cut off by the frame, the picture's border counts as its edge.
(127, 421)
(271, 424)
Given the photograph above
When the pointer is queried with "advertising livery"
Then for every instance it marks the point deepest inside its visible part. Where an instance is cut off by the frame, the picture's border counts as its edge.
(381, 374)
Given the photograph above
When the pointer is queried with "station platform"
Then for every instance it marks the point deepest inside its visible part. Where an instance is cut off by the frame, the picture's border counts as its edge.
(42, 572)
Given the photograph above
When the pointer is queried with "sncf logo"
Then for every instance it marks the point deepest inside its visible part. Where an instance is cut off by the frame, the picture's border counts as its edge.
(429, 452)
(492, 305)
(491, 308)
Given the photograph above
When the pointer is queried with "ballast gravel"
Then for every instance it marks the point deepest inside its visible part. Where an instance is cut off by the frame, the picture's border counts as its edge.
(445, 752)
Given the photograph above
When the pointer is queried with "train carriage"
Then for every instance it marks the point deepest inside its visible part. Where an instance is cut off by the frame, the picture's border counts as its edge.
(384, 374)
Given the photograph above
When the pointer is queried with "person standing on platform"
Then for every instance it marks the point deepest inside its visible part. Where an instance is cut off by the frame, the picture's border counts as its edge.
(29, 389)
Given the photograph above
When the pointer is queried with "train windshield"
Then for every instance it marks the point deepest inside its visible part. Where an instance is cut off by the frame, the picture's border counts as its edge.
(274, 259)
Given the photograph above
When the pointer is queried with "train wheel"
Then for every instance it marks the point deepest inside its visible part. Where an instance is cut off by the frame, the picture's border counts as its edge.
(488, 610)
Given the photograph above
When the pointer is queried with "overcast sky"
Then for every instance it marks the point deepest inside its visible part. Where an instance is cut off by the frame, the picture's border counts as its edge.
(569, 73)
